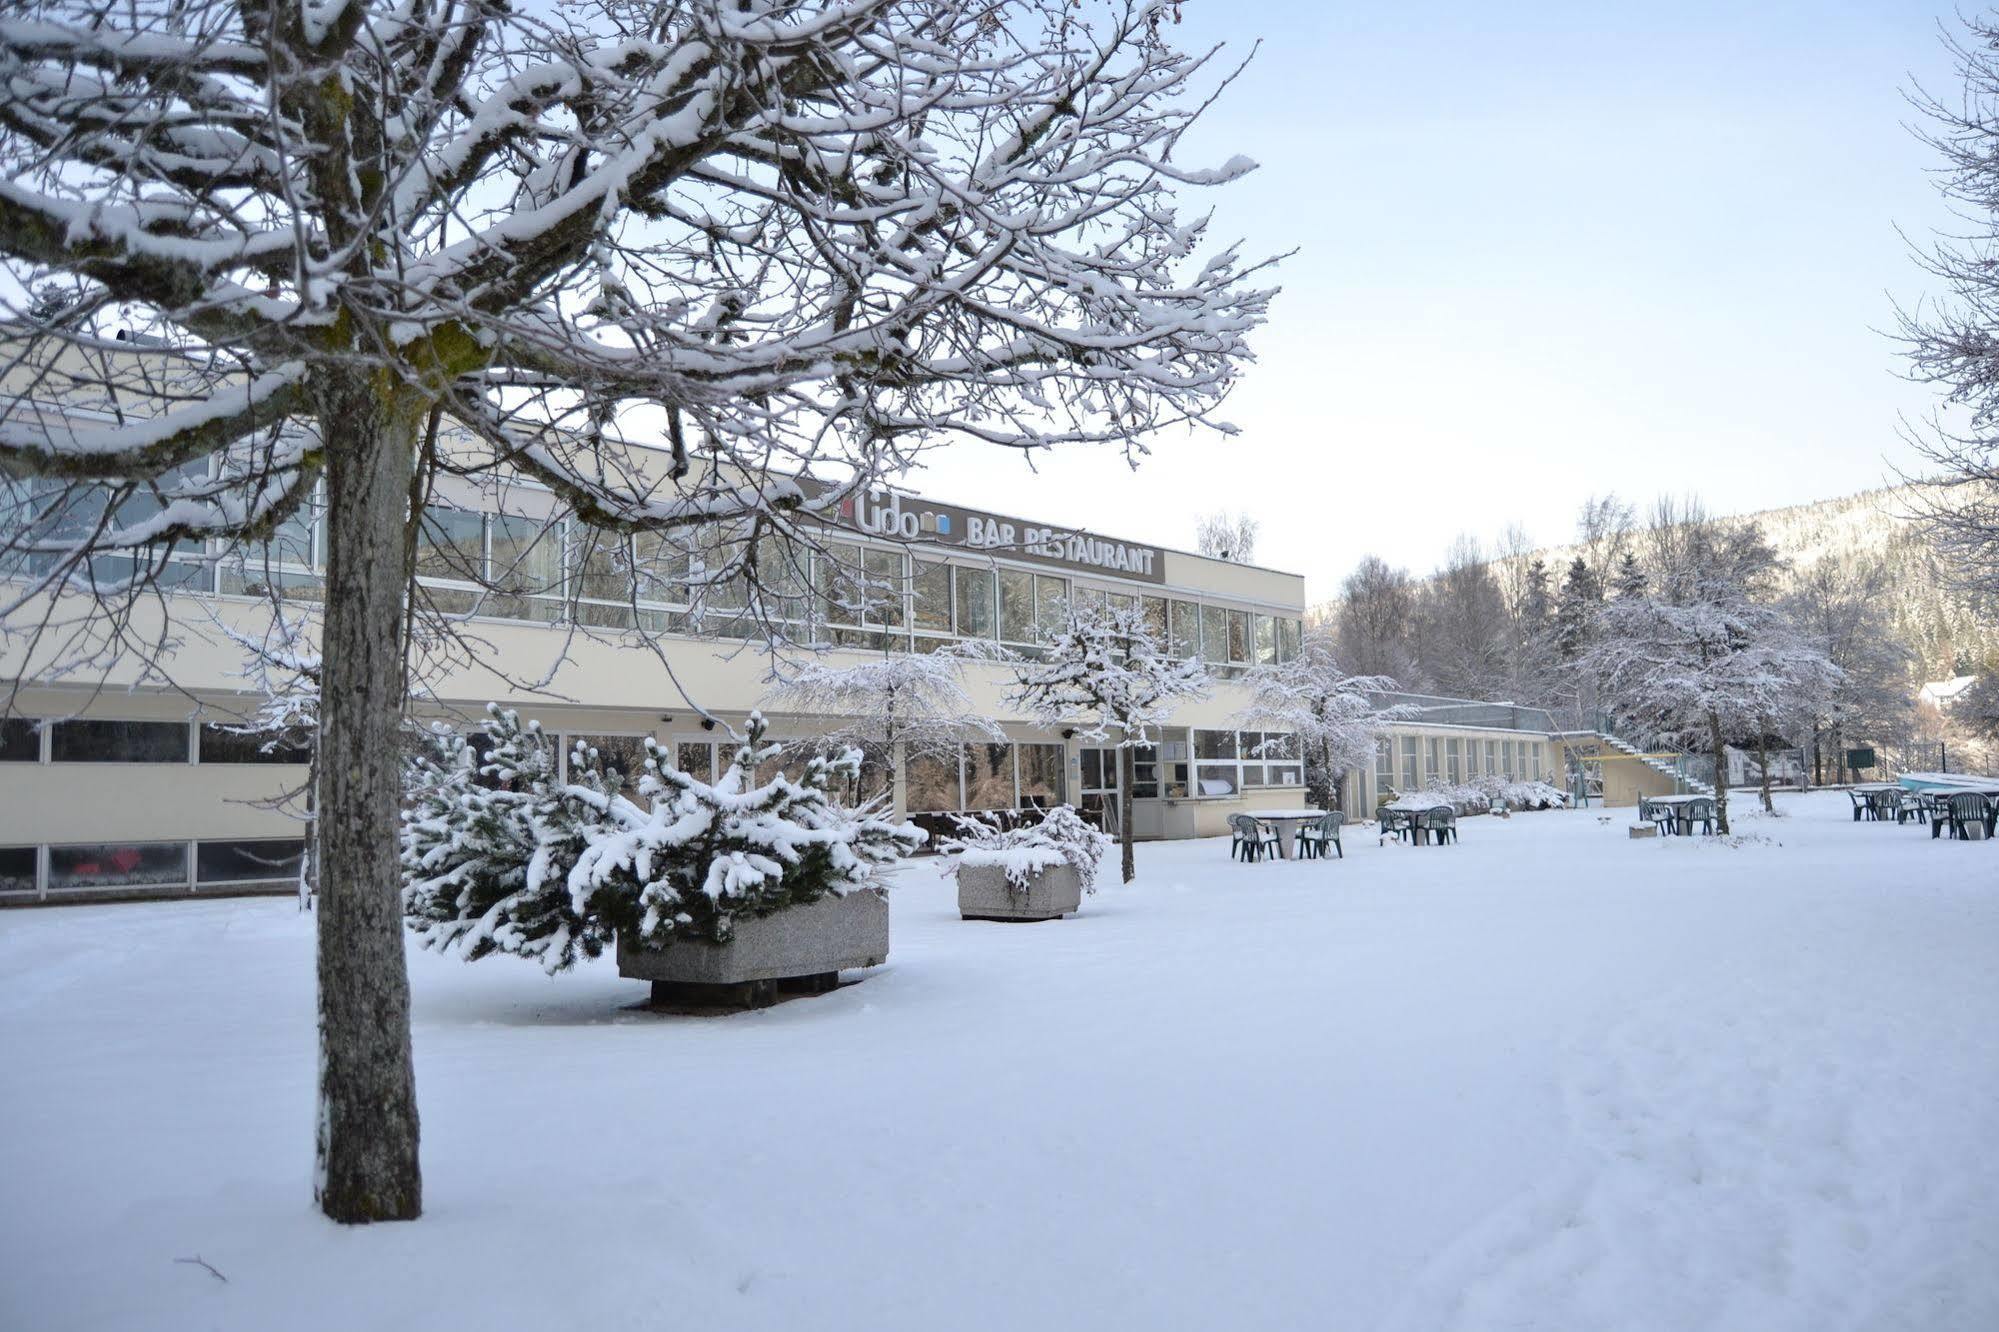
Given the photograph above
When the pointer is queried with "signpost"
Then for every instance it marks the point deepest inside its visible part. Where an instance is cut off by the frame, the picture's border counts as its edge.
(1860, 758)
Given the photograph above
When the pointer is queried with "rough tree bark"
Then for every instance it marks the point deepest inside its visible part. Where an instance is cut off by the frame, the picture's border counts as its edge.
(1763, 758)
(1720, 773)
(366, 1167)
(1127, 774)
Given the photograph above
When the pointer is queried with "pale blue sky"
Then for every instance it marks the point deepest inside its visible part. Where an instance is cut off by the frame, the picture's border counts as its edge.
(1546, 250)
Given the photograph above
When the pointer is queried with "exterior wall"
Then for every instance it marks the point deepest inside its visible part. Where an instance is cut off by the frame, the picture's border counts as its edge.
(621, 690)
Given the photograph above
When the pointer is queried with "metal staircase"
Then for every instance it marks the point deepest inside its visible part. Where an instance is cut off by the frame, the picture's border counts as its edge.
(1674, 762)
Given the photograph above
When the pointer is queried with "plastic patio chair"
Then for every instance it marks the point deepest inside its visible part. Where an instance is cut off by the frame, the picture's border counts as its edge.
(1313, 838)
(1884, 805)
(1959, 811)
(1859, 799)
(1252, 841)
(1699, 811)
(1441, 823)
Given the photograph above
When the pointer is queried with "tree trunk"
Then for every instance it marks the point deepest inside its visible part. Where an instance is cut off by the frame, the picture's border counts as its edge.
(1720, 773)
(367, 1147)
(1763, 757)
(1126, 771)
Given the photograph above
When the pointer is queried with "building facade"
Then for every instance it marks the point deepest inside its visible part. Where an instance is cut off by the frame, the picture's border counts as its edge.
(135, 786)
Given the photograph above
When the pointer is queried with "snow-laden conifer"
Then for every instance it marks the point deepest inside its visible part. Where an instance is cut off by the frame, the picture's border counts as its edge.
(502, 853)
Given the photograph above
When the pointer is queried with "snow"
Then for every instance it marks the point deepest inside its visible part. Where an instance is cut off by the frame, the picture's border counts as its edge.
(1547, 1077)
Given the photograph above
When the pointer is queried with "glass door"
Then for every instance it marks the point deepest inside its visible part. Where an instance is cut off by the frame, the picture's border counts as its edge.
(1099, 788)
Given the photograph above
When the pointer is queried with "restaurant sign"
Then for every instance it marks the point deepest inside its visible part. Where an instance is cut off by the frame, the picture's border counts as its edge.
(905, 518)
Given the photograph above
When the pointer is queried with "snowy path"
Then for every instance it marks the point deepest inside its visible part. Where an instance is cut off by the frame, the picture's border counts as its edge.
(1548, 1078)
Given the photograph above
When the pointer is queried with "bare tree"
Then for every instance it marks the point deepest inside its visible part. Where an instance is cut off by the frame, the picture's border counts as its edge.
(1376, 609)
(1334, 715)
(1225, 536)
(1952, 341)
(1604, 530)
(1840, 605)
(1105, 675)
(1462, 631)
(427, 250)
(894, 707)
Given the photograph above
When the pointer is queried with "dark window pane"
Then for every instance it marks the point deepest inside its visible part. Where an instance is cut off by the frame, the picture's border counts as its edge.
(17, 869)
(1042, 776)
(696, 758)
(222, 744)
(118, 742)
(451, 544)
(20, 740)
(930, 782)
(274, 859)
(117, 865)
(625, 754)
(989, 776)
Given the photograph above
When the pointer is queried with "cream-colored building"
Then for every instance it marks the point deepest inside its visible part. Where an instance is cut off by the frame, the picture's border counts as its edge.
(125, 786)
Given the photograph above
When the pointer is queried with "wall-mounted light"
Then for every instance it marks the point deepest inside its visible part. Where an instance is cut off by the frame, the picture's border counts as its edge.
(1069, 734)
(666, 716)
(707, 723)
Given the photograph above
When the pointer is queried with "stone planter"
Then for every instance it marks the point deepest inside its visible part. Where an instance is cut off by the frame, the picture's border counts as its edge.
(984, 894)
(802, 948)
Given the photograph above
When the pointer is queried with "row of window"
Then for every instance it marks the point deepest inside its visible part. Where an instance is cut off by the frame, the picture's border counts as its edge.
(551, 570)
(1454, 759)
(55, 870)
(97, 740)
(998, 775)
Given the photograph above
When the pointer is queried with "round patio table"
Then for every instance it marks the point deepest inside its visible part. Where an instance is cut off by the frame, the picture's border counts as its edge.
(1287, 822)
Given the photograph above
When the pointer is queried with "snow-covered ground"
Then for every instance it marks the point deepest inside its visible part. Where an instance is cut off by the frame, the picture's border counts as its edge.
(1547, 1078)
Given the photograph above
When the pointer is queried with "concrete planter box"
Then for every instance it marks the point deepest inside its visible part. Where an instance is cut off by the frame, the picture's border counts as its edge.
(800, 948)
(984, 894)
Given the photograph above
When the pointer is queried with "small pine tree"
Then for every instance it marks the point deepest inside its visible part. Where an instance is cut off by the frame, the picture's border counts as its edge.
(551, 869)
(1630, 579)
(1575, 610)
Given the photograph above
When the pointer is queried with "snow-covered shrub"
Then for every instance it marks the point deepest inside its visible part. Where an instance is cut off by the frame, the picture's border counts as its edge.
(1484, 793)
(1061, 838)
(551, 869)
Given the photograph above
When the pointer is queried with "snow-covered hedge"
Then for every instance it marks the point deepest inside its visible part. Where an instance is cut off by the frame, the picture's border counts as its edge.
(500, 855)
(1483, 794)
(1061, 838)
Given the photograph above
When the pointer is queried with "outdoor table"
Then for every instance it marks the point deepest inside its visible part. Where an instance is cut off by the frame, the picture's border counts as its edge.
(1677, 805)
(1418, 834)
(1288, 822)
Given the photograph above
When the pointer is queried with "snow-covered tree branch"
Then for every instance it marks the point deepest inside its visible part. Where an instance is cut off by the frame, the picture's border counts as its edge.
(1336, 716)
(1103, 675)
(361, 255)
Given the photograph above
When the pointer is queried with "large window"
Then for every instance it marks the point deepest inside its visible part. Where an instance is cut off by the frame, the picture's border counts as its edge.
(17, 869)
(1186, 630)
(117, 865)
(227, 744)
(20, 740)
(1228, 762)
(1384, 765)
(624, 754)
(1215, 635)
(1492, 767)
(930, 782)
(1016, 606)
(1051, 604)
(989, 776)
(1455, 760)
(94, 741)
(930, 599)
(1410, 778)
(1536, 748)
(1217, 763)
(1266, 640)
(1043, 776)
(974, 597)
(1432, 765)
(268, 860)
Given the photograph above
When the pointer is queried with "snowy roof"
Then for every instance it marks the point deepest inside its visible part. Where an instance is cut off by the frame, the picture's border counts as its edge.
(1942, 692)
